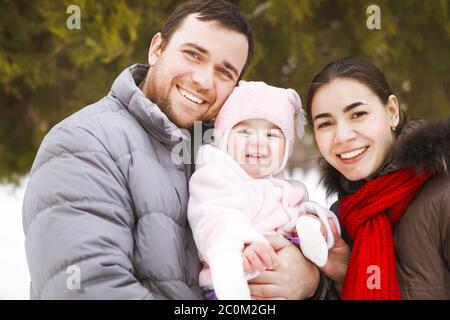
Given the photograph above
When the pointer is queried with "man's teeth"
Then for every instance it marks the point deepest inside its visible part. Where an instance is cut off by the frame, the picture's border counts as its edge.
(191, 97)
(353, 153)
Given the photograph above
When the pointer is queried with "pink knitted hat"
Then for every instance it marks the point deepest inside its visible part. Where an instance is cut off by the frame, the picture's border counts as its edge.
(258, 100)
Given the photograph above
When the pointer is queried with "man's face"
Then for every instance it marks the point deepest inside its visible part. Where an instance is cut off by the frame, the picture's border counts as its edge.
(191, 76)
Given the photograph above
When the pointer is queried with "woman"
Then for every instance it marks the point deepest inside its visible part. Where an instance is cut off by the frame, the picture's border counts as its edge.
(393, 187)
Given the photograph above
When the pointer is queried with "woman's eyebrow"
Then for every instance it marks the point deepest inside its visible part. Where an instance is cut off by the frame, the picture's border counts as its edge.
(353, 105)
(322, 115)
(346, 110)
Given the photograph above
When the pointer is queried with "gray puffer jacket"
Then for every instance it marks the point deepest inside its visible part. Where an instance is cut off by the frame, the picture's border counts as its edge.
(104, 212)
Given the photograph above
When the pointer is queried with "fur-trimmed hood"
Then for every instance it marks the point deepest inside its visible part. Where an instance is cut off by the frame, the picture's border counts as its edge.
(420, 144)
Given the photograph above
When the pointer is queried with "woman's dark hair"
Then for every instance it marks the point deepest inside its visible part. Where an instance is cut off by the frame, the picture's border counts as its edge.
(223, 12)
(356, 69)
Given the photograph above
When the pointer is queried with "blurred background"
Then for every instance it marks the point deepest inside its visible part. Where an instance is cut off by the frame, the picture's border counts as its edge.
(48, 71)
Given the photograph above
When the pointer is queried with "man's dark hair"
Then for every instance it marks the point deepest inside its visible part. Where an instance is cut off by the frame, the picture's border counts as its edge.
(223, 12)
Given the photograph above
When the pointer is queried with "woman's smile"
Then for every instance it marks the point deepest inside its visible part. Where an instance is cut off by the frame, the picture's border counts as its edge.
(352, 156)
(353, 127)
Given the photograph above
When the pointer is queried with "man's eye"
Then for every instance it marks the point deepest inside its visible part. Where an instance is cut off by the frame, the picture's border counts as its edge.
(193, 54)
(227, 74)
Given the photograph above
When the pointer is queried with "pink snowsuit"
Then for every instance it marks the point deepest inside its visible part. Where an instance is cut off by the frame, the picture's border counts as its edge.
(227, 209)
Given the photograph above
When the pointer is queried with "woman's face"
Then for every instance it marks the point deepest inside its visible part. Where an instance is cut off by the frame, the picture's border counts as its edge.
(352, 127)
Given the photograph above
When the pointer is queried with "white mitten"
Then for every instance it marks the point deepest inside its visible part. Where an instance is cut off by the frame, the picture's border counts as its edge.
(227, 272)
(312, 242)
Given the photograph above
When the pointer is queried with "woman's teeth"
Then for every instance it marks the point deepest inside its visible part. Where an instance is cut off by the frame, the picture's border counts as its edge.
(191, 97)
(352, 154)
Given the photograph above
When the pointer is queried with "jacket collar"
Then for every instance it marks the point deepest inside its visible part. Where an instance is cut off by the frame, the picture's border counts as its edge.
(420, 144)
(125, 89)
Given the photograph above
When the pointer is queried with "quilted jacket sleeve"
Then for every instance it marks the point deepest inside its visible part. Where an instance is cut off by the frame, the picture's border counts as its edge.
(78, 221)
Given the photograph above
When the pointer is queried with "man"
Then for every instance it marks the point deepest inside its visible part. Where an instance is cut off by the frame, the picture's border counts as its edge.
(105, 209)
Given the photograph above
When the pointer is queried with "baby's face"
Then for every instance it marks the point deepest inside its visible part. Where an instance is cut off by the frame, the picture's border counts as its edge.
(258, 146)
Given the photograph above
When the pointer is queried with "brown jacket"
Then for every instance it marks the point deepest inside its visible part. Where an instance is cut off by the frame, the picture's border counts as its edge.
(422, 237)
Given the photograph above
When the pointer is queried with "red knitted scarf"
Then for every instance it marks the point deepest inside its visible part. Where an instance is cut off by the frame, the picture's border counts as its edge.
(369, 216)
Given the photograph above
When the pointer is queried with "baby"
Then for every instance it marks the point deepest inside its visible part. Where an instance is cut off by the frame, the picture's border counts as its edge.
(239, 193)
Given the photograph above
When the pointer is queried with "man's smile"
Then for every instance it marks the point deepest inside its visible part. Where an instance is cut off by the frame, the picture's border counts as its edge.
(190, 96)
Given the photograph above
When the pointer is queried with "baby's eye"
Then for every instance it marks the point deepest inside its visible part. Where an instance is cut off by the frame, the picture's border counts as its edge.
(273, 134)
(243, 131)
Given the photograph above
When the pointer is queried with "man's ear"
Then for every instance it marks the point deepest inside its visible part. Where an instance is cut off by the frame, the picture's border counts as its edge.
(393, 109)
(155, 49)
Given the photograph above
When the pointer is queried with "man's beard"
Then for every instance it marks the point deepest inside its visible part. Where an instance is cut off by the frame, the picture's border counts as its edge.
(160, 96)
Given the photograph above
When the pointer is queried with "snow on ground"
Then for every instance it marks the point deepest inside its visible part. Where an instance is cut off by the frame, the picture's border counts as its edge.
(14, 276)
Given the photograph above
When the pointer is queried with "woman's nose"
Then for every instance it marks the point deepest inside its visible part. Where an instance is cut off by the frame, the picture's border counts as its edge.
(344, 133)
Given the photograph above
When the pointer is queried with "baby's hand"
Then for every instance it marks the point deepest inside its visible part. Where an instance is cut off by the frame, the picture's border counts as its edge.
(323, 229)
(313, 210)
(314, 232)
(259, 256)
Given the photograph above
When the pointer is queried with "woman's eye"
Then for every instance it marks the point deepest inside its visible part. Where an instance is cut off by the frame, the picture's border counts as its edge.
(324, 125)
(358, 114)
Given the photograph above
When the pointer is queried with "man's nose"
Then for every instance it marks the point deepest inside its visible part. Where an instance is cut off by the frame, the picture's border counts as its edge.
(344, 133)
(204, 78)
